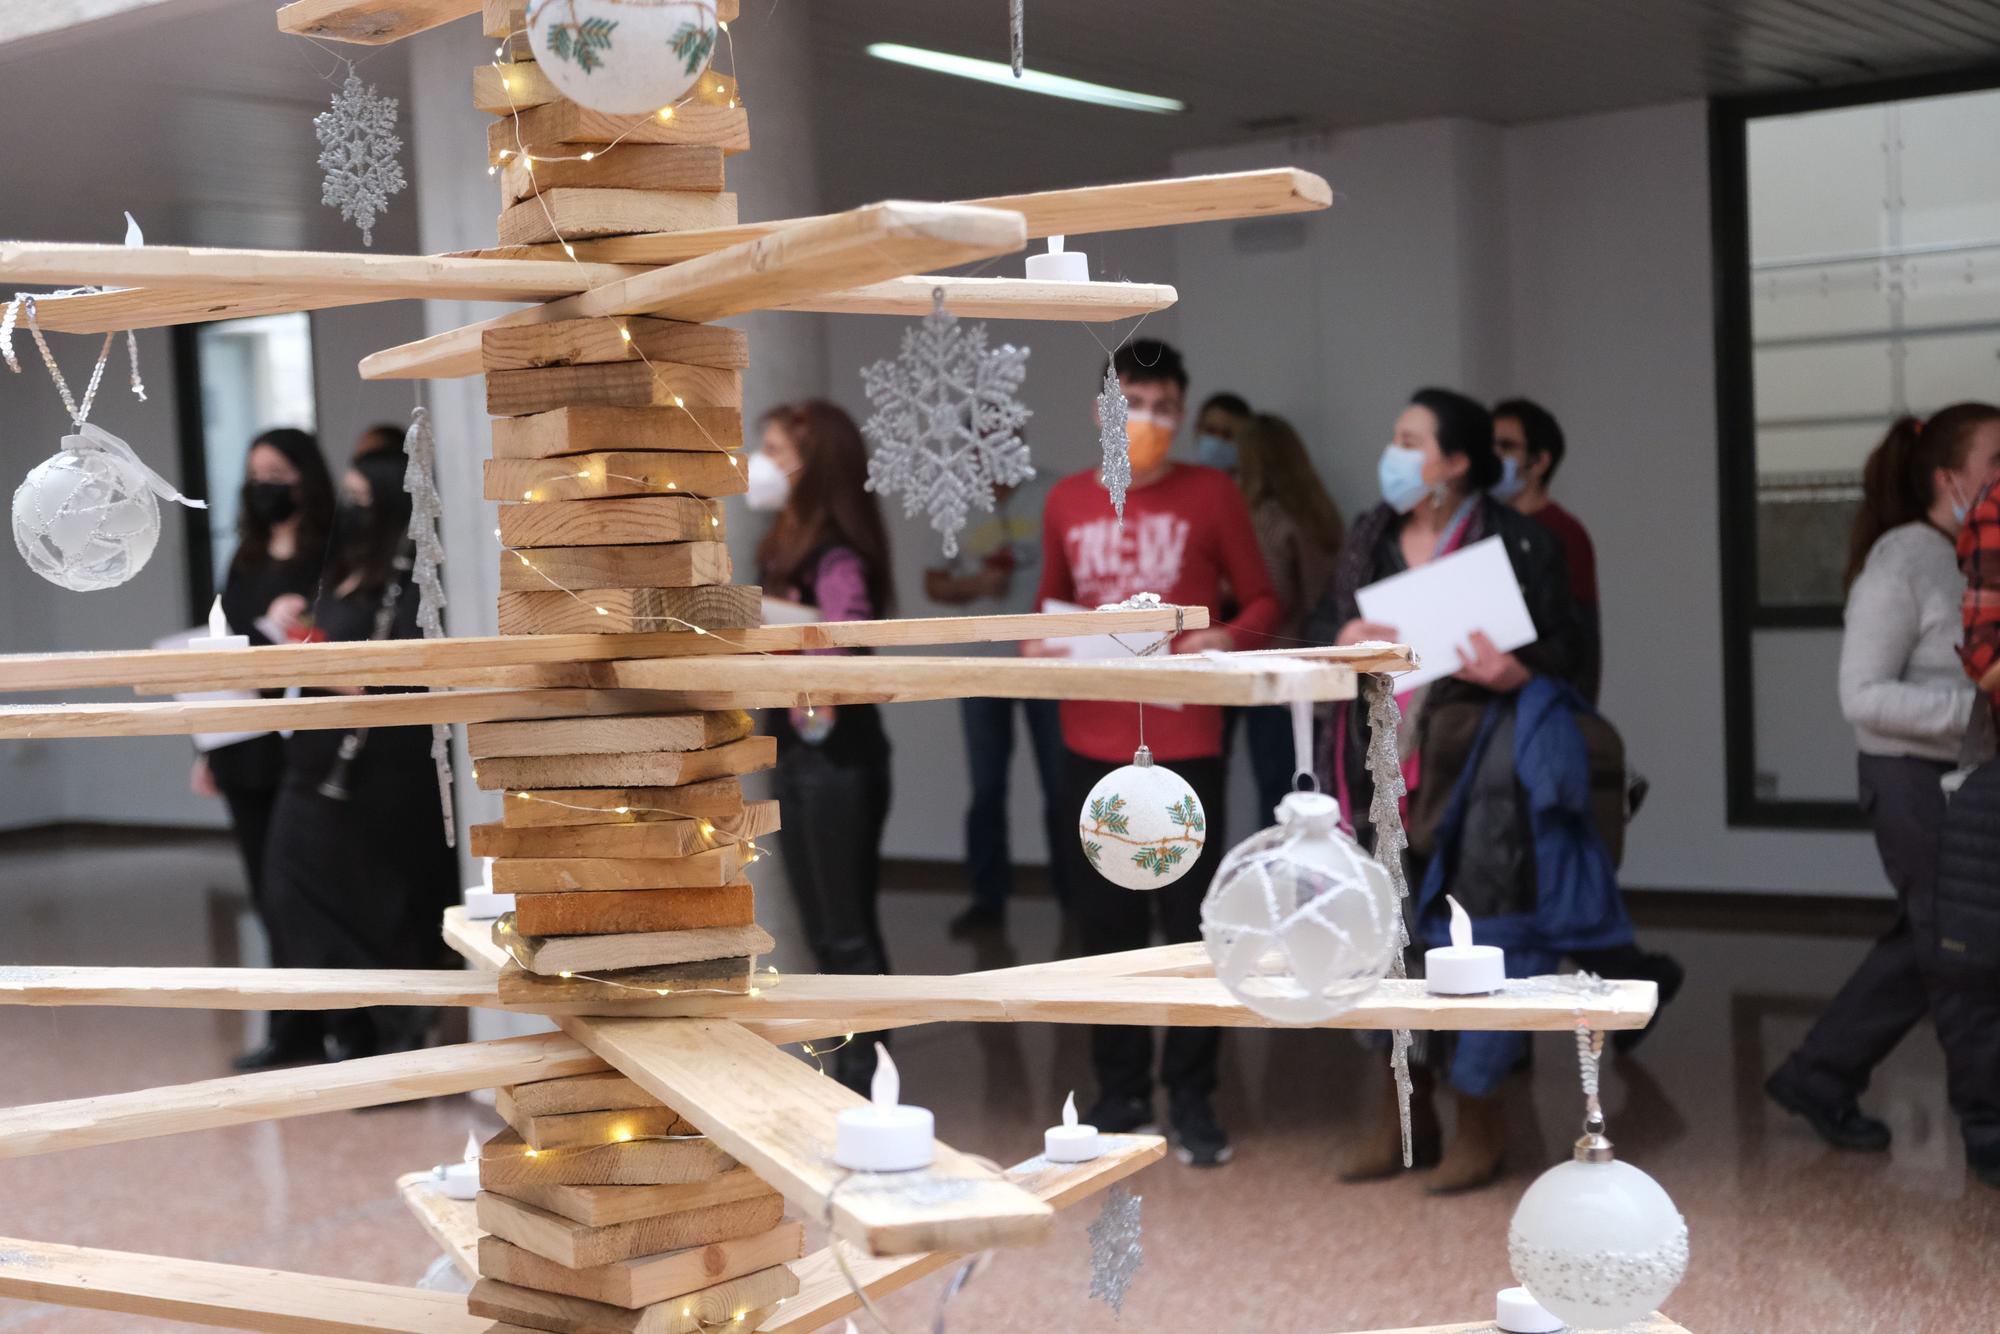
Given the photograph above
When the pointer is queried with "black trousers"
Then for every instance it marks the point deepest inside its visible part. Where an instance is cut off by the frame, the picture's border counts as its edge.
(1893, 988)
(831, 839)
(1110, 918)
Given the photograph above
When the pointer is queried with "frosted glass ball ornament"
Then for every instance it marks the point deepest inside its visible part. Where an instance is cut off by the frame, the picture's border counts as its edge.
(1597, 1241)
(1142, 826)
(86, 518)
(622, 57)
(1299, 921)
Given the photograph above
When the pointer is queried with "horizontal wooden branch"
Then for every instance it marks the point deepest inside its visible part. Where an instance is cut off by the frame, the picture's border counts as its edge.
(809, 259)
(310, 272)
(232, 1296)
(319, 713)
(851, 1003)
(414, 662)
(269, 1095)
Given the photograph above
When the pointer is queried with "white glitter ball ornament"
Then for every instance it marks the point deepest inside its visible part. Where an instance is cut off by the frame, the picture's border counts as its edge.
(622, 57)
(1597, 1241)
(89, 517)
(1300, 922)
(1142, 826)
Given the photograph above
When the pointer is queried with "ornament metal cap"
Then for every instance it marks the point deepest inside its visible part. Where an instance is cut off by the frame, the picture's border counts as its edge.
(1592, 1146)
(1142, 758)
(1310, 812)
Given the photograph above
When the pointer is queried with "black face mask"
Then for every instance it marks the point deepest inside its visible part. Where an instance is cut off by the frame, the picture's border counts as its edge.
(354, 524)
(270, 502)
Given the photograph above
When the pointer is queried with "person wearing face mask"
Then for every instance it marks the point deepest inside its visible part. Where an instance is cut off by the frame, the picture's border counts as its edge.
(357, 864)
(1903, 689)
(1186, 533)
(1216, 427)
(1473, 751)
(283, 516)
(827, 548)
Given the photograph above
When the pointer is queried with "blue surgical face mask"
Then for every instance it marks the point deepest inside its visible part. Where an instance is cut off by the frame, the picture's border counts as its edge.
(1511, 482)
(1215, 451)
(1400, 474)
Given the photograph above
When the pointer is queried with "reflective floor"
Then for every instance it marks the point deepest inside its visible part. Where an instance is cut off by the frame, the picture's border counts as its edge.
(1787, 1236)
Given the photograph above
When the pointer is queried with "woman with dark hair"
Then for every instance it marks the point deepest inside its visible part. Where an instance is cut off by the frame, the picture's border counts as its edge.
(358, 867)
(828, 549)
(1299, 530)
(1461, 758)
(1217, 429)
(282, 519)
(1904, 692)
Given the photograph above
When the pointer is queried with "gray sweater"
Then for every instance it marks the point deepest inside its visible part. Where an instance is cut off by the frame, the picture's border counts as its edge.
(1901, 683)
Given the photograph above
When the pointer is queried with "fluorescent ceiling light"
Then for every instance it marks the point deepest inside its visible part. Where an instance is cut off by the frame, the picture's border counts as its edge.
(1032, 81)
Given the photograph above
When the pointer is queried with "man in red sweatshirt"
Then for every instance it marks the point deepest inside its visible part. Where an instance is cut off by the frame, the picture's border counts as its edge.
(1186, 535)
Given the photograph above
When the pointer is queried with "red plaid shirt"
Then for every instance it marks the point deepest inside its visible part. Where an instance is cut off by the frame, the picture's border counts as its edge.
(1979, 559)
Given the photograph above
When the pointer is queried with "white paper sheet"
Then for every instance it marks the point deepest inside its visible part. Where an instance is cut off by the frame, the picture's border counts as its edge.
(1436, 607)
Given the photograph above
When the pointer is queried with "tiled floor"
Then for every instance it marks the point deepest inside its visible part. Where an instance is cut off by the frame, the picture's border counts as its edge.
(1787, 1236)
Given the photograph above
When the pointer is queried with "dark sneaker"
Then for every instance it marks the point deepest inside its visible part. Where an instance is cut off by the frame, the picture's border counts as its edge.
(1844, 1126)
(1122, 1116)
(1667, 971)
(1199, 1140)
(980, 919)
(1985, 1166)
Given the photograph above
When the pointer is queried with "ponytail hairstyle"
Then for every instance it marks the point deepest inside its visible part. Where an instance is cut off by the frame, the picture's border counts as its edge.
(1899, 480)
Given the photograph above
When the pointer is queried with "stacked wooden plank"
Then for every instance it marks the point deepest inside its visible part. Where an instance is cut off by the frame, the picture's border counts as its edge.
(614, 441)
(604, 1212)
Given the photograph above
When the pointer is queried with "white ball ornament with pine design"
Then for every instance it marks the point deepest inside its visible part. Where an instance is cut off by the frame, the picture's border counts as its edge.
(622, 57)
(1142, 826)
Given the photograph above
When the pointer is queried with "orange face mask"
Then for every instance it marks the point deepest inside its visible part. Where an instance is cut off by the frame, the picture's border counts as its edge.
(1149, 439)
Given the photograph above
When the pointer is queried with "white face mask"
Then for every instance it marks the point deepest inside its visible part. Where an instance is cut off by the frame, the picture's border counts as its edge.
(768, 488)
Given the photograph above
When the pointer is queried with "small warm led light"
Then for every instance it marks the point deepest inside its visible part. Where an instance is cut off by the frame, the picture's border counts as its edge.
(624, 333)
(714, 522)
(666, 113)
(563, 974)
(505, 153)
(809, 710)
(661, 991)
(524, 796)
(588, 155)
(532, 1153)
(732, 104)
(673, 486)
(530, 564)
(601, 611)
(528, 494)
(491, 170)
(569, 250)
(707, 829)
(624, 810)
(677, 401)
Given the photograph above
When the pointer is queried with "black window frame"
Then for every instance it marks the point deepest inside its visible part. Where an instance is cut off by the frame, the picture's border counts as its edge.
(1736, 429)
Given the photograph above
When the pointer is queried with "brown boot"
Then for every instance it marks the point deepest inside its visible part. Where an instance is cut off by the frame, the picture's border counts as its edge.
(1378, 1153)
(1476, 1150)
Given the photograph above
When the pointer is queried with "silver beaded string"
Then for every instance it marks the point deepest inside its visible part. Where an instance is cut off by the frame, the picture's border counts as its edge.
(1589, 1053)
(1385, 766)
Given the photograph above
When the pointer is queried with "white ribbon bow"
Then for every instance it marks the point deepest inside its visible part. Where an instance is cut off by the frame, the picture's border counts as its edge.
(90, 435)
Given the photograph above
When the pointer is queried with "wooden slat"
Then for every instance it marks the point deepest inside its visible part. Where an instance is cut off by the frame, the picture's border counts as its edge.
(720, 607)
(553, 127)
(851, 249)
(776, 1116)
(619, 384)
(574, 342)
(451, 1223)
(370, 1081)
(646, 1279)
(618, 522)
(825, 1294)
(567, 430)
(649, 565)
(539, 876)
(636, 838)
(370, 22)
(588, 736)
(232, 1296)
(630, 167)
(579, 211)
(409, 659)
(732, 1302)
(519, 987)
(183, 717)
(506, 1164)
(852, 1003)
(1077, 212)
(595, 477)
(542, 773)
(718, 797)
(550, 955)
(568, 1130)
(579, 1245)
(596, 912)
(604, 1091)
(325, 272)
(601, 1206)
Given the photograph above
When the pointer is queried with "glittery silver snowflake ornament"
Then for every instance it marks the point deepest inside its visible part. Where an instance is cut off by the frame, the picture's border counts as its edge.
(1116, 442)
(426, 511)
(947, 427)
(1115, 1249)
(358, 148)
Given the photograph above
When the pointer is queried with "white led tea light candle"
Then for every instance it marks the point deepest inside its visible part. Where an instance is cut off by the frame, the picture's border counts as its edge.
(885, 1136)
(1463, 968)
(1070, 1142)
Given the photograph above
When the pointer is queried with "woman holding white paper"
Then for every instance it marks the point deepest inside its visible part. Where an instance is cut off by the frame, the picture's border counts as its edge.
(1458, 745)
